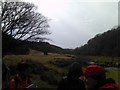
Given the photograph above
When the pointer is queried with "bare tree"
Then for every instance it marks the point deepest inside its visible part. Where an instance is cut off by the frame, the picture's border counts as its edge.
(21, 21)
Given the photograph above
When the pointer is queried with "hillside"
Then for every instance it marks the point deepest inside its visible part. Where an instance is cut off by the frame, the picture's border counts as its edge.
(47, 70)
(13, 46)
(105, 44)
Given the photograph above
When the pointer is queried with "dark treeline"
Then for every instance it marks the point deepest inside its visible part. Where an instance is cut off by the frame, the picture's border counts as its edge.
(13, 46)
(21, 23)
(105, 44)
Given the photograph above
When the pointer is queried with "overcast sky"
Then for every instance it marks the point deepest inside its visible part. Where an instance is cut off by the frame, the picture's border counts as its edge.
(74, 22)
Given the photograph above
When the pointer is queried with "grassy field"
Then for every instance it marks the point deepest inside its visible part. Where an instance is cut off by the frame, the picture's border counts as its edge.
(114, 74)
(40, 58)
(111, 72)
(45, 60)
(105, 60)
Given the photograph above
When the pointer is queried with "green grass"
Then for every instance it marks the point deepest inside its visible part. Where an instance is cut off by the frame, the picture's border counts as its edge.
(114, 74)
(40, 83)
(110, 73)
(45, 59)
(102, 59)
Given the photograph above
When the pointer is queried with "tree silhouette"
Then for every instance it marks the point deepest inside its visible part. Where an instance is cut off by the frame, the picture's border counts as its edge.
(21, 21)
(105, 44)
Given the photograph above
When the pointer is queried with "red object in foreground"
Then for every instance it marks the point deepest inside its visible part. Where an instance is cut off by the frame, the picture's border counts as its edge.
(20, 85)
(94, 70)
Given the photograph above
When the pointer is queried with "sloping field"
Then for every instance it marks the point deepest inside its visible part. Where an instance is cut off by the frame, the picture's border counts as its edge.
(50, 78)
(54, 73)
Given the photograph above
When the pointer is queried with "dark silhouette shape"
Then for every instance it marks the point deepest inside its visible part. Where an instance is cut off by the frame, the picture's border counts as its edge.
(21, 21)
(72, 81)
(22, 79)
(5, 75)
(96, 79)
(45, 53)
(105, 44)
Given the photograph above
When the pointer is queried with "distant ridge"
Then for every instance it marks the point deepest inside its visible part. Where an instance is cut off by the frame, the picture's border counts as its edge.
(105, 44)
(13, 46)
